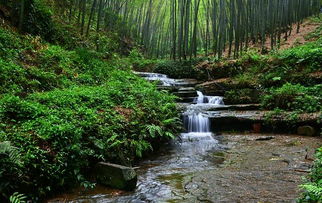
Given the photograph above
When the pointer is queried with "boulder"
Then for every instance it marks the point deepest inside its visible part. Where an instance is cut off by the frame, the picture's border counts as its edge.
(115, 176)
(306, 130)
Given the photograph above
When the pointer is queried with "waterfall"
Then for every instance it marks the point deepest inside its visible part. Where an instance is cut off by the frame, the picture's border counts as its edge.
(197, 123)
(202, 99)
(216, 100)
(163, 79)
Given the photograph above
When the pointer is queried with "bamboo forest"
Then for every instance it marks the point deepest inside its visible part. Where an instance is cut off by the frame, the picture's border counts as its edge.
(148, 101)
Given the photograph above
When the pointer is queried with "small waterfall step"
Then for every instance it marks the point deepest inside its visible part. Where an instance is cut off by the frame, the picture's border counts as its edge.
(203, 99)
(198, 137)
(197, 123)
(165, 81)
(162, 79)
(150, 75)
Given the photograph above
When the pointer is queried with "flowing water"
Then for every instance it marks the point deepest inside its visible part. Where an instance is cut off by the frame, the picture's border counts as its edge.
(162, 79)
(199, 166)
(202, 99)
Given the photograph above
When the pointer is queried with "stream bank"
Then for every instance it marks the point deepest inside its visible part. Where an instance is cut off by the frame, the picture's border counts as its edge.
(232, 167)
(203, 166)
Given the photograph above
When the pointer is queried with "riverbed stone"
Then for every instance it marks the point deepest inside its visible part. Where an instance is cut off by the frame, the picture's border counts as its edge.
(115, 176)
(306, 130)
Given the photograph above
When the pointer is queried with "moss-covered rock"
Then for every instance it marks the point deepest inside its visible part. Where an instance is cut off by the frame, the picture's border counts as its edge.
(116, 176)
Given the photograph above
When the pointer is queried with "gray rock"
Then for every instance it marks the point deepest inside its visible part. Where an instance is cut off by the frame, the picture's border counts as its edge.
(306, 130)
(115, 176)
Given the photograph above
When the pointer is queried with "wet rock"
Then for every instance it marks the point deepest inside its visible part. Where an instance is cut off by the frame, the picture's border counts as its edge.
(167, 88)
(265, 138)
(186, 82)
(216, 87)
(306, 130)
(115, 176)
(187, 89)
(245, 120)
(237, 107)
(187, 100)
(185, 93)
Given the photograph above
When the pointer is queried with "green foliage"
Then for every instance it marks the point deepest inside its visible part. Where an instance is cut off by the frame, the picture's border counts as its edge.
(139, 63)
(309, 55)
(67, 110)
(294, 98)
(9, 44)
(274, 117)
(27, 65)
(17, 198)
(38, 19)
(62, 132)
(316, 34)
(313, 187)
(10, 167)
(242, 96)
(177, 69)
(246, 80)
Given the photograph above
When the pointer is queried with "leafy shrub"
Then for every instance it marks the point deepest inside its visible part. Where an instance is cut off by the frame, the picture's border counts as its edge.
(313, 188)
(10, 168)
(246, 80)
(140, 63)
(294, 98)
(9, 44)
(242, 96)
(177, 69)
(61, 133)
(44, 67)
(309, 55)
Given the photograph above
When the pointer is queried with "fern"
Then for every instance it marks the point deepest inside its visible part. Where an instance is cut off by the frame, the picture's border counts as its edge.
(169, 134)
(170, 121)
(153, 129)
(17, 198)
(314, 192)
(12, 152)
(140, 146)
(313, 188)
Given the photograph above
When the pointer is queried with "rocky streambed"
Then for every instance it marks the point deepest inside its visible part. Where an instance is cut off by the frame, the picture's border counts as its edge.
(221, 168)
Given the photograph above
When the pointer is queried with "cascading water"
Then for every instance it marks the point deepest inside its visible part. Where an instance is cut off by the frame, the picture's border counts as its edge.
(163, 79)
(197, 123)
(202, 99)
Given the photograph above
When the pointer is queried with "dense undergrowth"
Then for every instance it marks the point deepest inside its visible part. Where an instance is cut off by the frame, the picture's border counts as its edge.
(62, 110)
(313, 186)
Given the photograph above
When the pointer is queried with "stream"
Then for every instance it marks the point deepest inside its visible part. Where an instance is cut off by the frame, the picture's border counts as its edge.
(201, 166)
